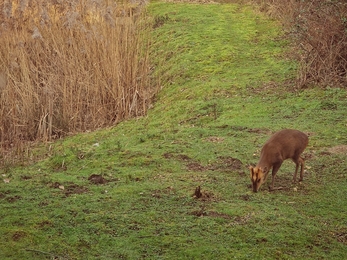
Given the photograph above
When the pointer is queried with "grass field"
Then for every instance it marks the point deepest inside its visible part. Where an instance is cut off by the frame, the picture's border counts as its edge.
(127, 192)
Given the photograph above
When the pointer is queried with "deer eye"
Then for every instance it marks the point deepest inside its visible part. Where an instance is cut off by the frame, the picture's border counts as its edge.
(258, 180)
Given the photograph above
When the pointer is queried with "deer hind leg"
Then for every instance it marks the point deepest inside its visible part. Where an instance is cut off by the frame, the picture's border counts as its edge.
(299, 162)
(302, 162)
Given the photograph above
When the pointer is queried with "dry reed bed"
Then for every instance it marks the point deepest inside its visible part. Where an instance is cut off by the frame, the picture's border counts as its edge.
(69, 66)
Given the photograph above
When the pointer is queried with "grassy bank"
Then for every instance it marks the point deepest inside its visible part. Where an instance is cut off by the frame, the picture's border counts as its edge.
(126, 192)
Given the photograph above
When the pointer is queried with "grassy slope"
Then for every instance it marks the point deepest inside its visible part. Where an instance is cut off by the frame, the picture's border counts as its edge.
(222, 68)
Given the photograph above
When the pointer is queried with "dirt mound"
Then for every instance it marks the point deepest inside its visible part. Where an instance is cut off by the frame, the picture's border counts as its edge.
(97, 179)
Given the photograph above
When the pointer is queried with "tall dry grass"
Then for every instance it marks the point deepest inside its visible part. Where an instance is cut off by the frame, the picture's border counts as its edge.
(319, 28)
(68, 66)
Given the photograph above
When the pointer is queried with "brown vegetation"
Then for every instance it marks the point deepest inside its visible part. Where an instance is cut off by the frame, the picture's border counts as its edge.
(320, 31)
(69, 66)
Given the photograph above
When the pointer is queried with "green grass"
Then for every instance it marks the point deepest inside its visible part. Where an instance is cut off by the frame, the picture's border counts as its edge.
(224, 72)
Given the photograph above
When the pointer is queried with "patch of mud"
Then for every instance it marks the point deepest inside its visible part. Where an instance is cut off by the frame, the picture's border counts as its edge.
(75, 189)
(69, 189)
(199, 213)
(339, 149)
(25, 177)
(168, 155)
(6, 195)
(195, 167)
(18, 235)
(191, 164)
(341, 236)
(224, 164)
(55, 185)
(97, 179)
(44, 203)
(245, 197)
(183, 157)
(308, 155)
(13, 199)
(45, 223)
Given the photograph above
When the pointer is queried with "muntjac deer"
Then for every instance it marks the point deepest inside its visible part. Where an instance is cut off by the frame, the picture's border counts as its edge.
(282, 145)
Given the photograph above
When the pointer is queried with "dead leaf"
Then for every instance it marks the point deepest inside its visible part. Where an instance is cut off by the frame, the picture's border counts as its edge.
(7, 180)
(61, 187)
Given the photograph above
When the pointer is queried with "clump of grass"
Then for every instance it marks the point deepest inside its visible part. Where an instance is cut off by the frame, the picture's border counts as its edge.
(70, 66)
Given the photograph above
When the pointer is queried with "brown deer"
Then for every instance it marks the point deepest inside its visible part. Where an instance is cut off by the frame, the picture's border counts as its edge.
(282, 145)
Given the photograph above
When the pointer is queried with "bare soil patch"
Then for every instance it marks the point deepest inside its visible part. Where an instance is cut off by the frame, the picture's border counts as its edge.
(341, 236)
(195, 167)
(226, 164)
(13, 199)
(25, 177)
(245, 197)
(339, 149)
(75, 189)
(18, 235)
(223, 163)
(69, 189)
(97, 179)
(45, 223)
